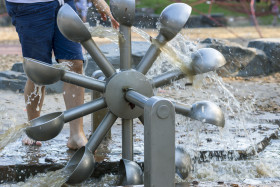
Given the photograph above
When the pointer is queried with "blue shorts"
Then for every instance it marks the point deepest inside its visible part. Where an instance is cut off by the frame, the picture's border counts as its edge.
(38, 32)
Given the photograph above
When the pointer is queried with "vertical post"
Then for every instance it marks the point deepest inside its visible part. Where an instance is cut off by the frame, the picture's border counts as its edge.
(125, 64)
(98, 116)
(159, 143)
(125, 47)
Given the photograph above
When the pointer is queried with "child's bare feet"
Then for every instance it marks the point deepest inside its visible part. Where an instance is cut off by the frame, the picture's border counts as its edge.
(28, 141)
(77, 141)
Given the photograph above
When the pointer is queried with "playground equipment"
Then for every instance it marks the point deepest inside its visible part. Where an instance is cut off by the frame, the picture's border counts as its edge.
(128, 94)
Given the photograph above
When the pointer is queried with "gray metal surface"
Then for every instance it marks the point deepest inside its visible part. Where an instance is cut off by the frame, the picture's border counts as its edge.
(127, 139)
(206, 59)
(130, 173)
(43, 74)
(45, 127)
(49, 126)
(80, 166)
(100, 59)
(204, 111)
(159, 143)
(136, 98)
(73, 28)
(83, 81)
(71, 25)
(115, 90)
(82, 163)
(151, 55)
(101, 131)
(123, 11)
(167, 78)
(125, 47)
(173, 18)
(183, 162)
(84, 109)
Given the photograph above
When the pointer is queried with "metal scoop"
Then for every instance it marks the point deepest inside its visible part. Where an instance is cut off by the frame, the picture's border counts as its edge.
(81, 165)
(130, 173)
(123, 11)
(206, 59)
(203, 61)
(43, 74)
(73, 28)
(49, 126)
(183, 162)
(204, 111)
(172, 19)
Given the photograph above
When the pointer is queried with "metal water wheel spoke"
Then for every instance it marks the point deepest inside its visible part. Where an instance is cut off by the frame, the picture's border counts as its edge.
(50, 125)
(73, 28)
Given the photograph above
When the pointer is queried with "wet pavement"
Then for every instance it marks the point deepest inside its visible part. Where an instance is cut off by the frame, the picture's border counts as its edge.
(238, 141)
(16, 160)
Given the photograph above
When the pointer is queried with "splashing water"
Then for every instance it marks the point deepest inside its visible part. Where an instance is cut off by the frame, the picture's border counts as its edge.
(104, 32)
(64, 65)
(54, 179)
(142, 33)
(37, 93)
(178, 53)
(12, 134)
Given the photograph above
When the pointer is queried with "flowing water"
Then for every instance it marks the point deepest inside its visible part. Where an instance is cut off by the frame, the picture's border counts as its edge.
(12, 134)
(50, 179)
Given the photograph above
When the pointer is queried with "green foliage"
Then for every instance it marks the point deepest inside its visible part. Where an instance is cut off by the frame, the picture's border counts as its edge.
(203, 8)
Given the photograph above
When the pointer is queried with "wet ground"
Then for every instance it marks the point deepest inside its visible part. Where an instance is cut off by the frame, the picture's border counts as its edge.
(246, 152)
(236, 144)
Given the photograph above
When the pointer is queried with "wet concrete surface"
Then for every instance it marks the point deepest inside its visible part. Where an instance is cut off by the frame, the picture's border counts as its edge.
(17, 160)
(234, 142)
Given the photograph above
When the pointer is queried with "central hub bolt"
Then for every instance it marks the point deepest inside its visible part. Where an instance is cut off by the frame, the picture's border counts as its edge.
(119, 84)
(163, 111)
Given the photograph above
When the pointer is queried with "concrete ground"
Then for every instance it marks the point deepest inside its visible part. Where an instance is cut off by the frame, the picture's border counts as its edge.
(251, 106)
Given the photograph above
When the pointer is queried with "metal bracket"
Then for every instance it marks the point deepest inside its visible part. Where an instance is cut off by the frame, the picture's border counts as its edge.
(159, 143)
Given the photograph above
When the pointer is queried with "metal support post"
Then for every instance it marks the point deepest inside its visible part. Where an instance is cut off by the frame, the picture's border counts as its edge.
(98, 116)
(159, 143)
(125, 64)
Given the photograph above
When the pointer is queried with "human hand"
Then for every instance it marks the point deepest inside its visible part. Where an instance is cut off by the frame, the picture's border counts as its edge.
(115, 24)
(61, 2)
(104, 10)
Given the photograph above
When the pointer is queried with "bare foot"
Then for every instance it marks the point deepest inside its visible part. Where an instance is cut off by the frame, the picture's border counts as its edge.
(77, 141)
(28, 141)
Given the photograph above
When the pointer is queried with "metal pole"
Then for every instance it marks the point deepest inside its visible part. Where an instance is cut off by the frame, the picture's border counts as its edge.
(167, 78)
(125, 64)
(159, 143)
(101, 131)
(125, 47)
(84, 109)
(151, 55)
(98, 116)
(136, 98)
(84, 81)
(102, 62)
